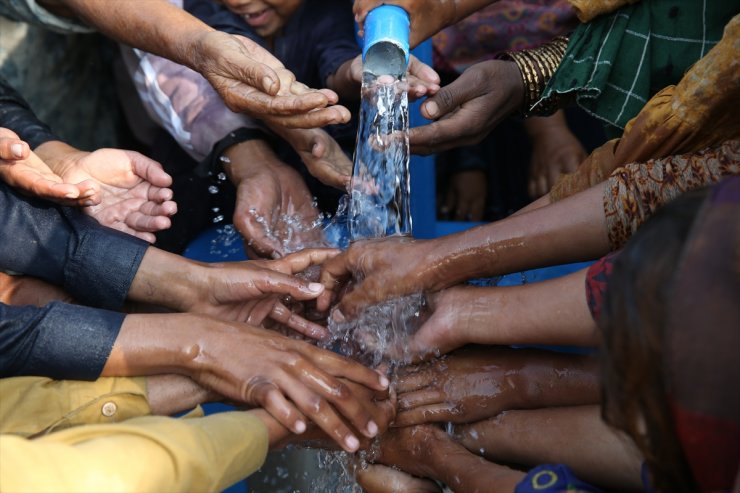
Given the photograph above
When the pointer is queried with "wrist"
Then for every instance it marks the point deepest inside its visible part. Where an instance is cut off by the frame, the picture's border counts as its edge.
(249, 158)
(59, 156)
(167, 280)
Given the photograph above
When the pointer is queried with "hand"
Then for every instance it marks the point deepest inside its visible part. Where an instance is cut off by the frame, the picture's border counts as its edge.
(321, 154)
(466, 196)
(293, 380)
(251, 291)
(469, 108)
(422, 79)
(466, 386)
(555, 151)
(252, 81)
(381, 269)
(274, 210)
(23, 169)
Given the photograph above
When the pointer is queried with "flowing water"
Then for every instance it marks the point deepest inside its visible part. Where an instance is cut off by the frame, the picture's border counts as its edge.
(378, 206)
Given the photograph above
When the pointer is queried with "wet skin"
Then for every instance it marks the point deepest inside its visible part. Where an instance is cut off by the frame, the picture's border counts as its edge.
(575, 436)
(570, 230)
(477, 383)
(427, 451)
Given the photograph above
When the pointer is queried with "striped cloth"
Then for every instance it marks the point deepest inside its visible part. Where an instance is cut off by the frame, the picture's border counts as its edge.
(617, 62)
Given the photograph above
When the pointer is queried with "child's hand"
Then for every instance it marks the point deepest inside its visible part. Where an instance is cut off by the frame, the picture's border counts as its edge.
(325, 159)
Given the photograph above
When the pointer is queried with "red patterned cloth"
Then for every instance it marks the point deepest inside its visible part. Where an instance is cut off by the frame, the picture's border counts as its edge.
(597, 279)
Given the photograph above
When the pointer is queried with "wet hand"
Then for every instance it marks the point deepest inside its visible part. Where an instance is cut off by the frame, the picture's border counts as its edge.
(466, 386)
(377, 478)
(250, 80)
(376, 270)
(292, 380)
(259, 290)
(274, 210)
(465, 111)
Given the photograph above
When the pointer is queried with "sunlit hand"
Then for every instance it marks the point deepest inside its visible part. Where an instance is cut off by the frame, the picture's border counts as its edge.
(466, 110)
(555, 151)
(422, 79)
(23, 169)
(465, 199)
(274, 211)
(27, 290)
(252, 81)
(134, 197)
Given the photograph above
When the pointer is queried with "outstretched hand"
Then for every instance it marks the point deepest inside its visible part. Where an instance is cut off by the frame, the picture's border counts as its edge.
(134, 197)
(422, 79)
(252, 81)
(25, 170)
(466, 110)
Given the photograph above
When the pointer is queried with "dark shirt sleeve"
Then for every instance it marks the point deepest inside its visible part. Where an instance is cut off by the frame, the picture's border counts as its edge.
(333, 26)
(16, 115)
(58, 341)
(62, 246)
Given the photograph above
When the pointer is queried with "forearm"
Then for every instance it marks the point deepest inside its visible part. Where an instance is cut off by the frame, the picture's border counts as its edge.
(170, 394)
(155, 26)
(548, 312)
(575, 436)
(570, 230)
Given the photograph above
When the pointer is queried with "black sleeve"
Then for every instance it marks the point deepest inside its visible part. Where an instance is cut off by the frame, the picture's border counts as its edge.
(58, 341)
(16, 115)
(62, 246)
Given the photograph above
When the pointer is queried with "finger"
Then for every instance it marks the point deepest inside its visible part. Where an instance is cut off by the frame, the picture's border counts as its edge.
(267, 395)
(449, 98)
(282, 314)
(532, 186)
(165, 209)
(300, 261)
(158, 194)
(305, 396)
(542, 187)
(13, 149)
(440, 136)
(150, 170)
(257, 238)
(313, 119)
(339, 366)
(270, 281)
(146, 223)
(411, 380)
(420, 398)
(423, 71)
(334, 272)
(437, 413)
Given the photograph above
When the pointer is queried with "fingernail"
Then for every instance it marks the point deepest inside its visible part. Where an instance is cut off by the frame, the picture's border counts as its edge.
(300, 426)
(432, 108)
(372, 428)
(384, 382)
(72, 195)
(268, 82)
(352, 443)
(338, 316)
(315, 287)
(17, 150)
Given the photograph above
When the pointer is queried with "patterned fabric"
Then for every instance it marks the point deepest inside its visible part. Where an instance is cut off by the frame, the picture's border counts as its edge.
(616, 63)
(586, 10)
(557, 478)
(633, 193)
(597, 279)
(680, 119)
(702, 337)
(505, 25)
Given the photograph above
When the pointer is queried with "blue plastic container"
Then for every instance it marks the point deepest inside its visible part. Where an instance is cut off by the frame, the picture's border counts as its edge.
(385, 49)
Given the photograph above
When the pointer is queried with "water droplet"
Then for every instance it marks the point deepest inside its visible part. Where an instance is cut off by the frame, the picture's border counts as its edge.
(213, 189)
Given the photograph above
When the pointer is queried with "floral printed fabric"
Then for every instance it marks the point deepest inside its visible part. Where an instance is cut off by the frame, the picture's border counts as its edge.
(634, 192)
